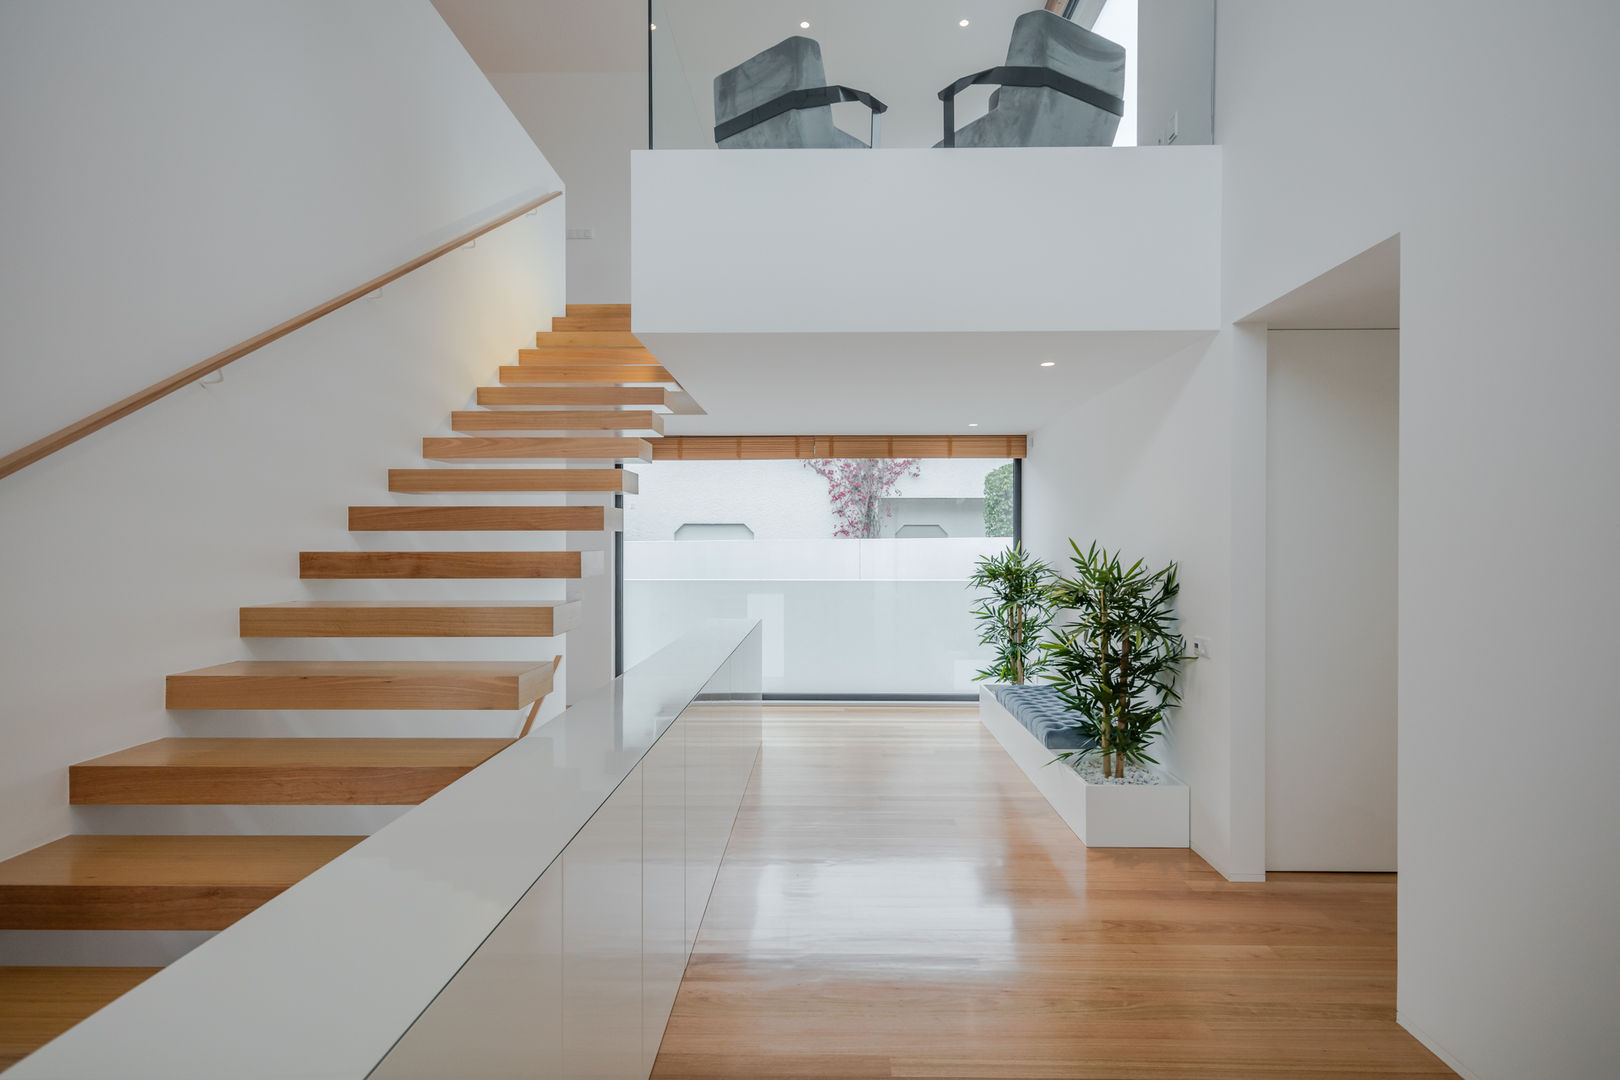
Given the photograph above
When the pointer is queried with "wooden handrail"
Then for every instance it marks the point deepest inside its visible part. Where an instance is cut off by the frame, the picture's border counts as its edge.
(50, 444)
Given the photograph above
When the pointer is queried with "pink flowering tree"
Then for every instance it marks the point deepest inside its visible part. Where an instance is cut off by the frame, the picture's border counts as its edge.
(856, 487)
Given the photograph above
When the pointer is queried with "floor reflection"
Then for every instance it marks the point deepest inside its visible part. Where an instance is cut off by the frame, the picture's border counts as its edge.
(898, 900)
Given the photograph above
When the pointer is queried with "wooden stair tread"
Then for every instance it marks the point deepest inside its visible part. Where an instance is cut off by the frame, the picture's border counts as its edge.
(576, 354)
(297, 771)
(587, 339)
(361, 684)
(485, 518)
(155, 882)
(39, 1003)
(409, 618)
(495, 448)
(584, 374)
(439, 480)
(603, 395)
(559, 420)
(620, 323)
(450, 564)
(599, 310)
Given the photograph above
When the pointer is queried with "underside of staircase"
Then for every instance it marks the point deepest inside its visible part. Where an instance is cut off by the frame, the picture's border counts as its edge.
(587, 392)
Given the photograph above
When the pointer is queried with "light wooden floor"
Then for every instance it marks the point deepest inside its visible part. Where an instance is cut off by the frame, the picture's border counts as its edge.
(898, 901)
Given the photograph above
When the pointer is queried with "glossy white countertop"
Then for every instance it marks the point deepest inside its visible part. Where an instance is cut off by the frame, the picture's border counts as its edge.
(320, 982)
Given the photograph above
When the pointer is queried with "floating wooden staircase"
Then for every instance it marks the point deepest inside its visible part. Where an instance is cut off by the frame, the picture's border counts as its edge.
(408, 618)
(155, 882)
(588, 373)
(591, 383)
(450, 564)
(612, 396)
(619, 420)
(238, 772)
(423, 481)
(484, 518)
(359, 684)
(39, 1003)
(588, 448)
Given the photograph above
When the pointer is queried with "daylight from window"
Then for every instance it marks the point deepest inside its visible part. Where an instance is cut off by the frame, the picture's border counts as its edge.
(856, 568)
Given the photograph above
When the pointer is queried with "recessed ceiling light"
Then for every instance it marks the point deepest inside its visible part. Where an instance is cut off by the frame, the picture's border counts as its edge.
(973, 425)
(964, 22)
(1047, 363)
(804, 26)
(652, 26)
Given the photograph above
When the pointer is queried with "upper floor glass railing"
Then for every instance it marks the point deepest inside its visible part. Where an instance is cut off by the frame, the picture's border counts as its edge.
(850, 74)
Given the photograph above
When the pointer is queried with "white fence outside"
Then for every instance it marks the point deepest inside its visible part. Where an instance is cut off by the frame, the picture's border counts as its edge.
(839, 616)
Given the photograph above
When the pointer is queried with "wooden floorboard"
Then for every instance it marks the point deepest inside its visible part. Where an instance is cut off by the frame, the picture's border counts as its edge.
(898, 901)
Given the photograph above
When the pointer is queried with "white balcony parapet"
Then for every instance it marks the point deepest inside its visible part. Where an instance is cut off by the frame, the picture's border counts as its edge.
(1065, 239)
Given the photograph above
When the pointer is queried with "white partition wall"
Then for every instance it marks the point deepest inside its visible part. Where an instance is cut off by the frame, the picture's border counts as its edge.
(578, 981)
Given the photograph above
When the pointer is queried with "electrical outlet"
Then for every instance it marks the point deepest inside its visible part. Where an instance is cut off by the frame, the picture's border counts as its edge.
(1198, 647)
(582, 234)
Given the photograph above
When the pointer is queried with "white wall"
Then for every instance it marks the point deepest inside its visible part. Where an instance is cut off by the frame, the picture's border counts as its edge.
(181, 175)
(1509, 514)
(1175, 76)
(587, 123)
(1145, 468)
(1332, 409)
(823, 241)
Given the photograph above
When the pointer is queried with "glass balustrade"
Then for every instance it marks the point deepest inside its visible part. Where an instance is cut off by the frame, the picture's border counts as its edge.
(816, 73)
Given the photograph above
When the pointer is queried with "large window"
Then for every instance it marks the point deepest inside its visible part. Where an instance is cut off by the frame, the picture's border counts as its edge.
(856, 568)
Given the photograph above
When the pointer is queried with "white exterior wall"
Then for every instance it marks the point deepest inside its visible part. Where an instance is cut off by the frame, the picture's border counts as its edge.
(254, 159)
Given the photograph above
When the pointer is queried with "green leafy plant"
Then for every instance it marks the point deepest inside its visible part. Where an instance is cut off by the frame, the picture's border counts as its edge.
(998, 501)
(1013, 613)
(1117, 662)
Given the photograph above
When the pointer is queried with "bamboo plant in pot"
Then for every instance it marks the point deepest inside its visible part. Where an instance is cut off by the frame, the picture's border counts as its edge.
(1015, 608)
(1117, 661)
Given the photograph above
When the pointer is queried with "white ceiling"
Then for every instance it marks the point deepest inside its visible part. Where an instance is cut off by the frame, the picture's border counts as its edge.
(903, 384)
(526, 36)
(1361, 293)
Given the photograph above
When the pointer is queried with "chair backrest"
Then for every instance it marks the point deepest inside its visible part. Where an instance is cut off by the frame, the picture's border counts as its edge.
(1038, 116)
(793, 64)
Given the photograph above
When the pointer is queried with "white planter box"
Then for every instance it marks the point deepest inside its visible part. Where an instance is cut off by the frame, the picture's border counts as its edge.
(1101, 815)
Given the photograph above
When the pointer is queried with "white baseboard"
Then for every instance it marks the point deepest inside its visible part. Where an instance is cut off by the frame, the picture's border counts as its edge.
(1437, 1050)
(1216, 865)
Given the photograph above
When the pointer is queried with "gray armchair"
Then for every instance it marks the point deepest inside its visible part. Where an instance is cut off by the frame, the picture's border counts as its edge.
(778, 100)
(1062, 85)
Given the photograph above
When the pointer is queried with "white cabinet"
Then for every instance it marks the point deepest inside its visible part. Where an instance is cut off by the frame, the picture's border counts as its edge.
(663, 884)
(501, 1016)
(602, 941)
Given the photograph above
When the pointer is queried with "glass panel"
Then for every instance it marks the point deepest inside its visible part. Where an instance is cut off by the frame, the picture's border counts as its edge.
(857, 568)
(901, 52)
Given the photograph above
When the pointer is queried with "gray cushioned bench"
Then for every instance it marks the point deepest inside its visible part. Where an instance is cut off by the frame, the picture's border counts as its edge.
(1042, 712)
